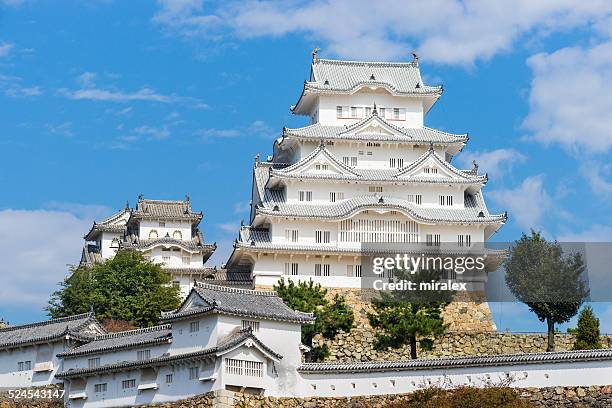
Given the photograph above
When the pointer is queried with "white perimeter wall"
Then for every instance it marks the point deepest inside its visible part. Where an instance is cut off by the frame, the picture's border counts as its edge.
(392, 382)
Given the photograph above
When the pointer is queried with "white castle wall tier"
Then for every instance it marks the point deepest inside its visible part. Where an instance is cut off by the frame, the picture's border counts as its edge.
(365, 171)
(28, 353)
(165, 231)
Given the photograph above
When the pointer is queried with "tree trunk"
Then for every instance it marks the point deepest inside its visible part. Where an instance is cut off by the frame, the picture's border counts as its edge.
(551, 334)
(413, 347)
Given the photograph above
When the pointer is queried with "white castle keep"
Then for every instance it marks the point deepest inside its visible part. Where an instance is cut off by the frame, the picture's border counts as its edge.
(166, 232)
(366, 170)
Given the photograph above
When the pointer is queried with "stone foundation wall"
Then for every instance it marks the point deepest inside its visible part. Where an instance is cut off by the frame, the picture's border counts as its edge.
(594, 396)
(7, 402)
(358, 345)
(461, 315)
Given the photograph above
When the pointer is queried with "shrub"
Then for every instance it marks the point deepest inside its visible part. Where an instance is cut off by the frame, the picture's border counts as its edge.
(463, 397)
(587, 331)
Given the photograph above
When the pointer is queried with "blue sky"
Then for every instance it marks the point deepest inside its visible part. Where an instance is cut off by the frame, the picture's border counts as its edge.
(104, 100)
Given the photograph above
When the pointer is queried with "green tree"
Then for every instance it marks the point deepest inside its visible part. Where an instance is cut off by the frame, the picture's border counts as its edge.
(331, 317)
(549, 283)
(125, 287)
(405, 315)
(587, 331)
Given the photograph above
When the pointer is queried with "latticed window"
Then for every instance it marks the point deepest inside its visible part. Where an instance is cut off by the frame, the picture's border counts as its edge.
(396, 163)
(126, 384)
(415, 198)
(93, 362)
(305, 195)
(375, 189)
(194, 327)
(369, 230)
(353, 271)
(291, 235)
(432, 240)
(322, 237)
(244, 367)
(291, 268)
(464, 240)
(194, 373)
(143, 355)
(350, 160)
(321, 269)
(446, 200)
(252, 324)
(100, 387)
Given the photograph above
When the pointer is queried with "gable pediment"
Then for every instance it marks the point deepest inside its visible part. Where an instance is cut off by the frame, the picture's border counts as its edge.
(431, 166)
(193, 301)
(320, 161)
(374, 125)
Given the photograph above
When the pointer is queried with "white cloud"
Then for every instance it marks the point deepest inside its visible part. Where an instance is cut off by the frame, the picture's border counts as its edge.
(17, 91)
(217, 133)
(153, 132)
(446, 31)
(568, 101)
(598, 176)
(595, 233)
(242, 207)
(5, 48)
(526, 204)
(37, 261)
(229, 227)
(97, 94)
(495, 162)
(257, 128)
(63, 129)
(86, 79)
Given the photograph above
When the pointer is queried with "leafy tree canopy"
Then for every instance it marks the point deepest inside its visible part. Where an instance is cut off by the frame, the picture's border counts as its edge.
(547, 281)
(331, 317)
(126, 287)
(404, 315)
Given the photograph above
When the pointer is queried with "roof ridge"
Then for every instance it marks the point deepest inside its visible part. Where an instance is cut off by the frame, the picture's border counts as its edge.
(134, 331)
(157, 200)
(112, 217)
(47, 322)
(443, 131)
(236, 290)
(519, 357)
(366, 63)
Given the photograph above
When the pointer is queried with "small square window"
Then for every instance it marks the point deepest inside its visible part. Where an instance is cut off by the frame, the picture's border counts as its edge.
(194, 327)
(93, 362)
(194, 373)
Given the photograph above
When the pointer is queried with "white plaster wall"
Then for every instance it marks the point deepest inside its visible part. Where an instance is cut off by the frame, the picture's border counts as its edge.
(110, 357)
(171, 226)
(184, 342)
(11, 378)
(395, 382)
(174, 257)
(377, 159)
(180, 388)
(105, 244)
(321, 189)
(367, 98)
